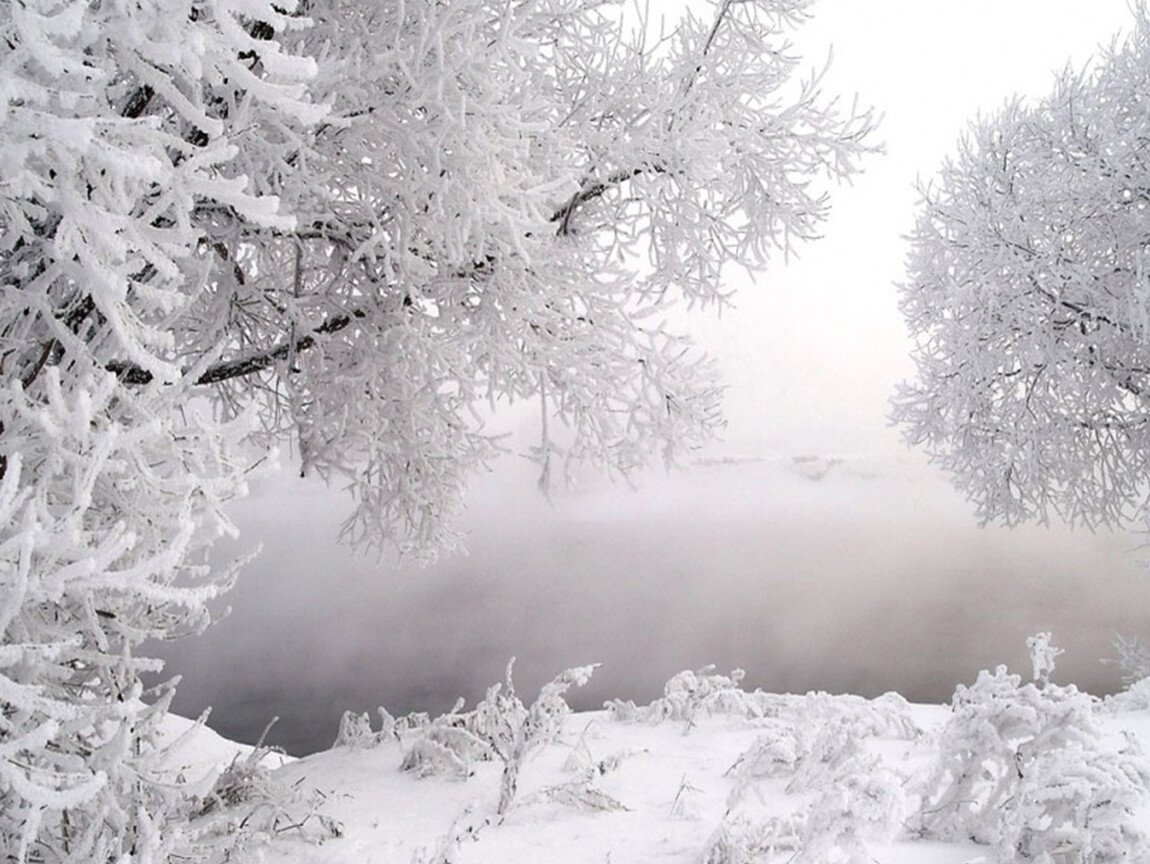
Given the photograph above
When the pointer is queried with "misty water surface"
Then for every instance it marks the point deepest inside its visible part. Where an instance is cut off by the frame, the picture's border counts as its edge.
(874, 577)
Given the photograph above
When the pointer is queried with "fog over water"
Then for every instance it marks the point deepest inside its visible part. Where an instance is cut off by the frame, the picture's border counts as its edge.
(874, 577)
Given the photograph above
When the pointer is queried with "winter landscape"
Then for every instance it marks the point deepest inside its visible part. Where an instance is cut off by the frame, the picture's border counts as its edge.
(1013, 769)
(340, 342)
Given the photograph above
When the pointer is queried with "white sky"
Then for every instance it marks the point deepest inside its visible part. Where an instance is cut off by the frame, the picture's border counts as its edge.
(859, 582)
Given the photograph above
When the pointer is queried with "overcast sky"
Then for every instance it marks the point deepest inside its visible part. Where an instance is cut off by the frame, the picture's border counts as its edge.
(874, 577)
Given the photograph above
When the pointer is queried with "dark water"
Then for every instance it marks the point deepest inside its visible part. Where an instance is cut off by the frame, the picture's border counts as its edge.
(871, 579)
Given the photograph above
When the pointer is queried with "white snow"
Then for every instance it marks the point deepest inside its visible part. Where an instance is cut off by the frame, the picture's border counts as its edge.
(205, 751)
(679, 781)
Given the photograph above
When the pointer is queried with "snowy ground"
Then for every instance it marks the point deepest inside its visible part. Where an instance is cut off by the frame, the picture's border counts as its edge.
(715, 775)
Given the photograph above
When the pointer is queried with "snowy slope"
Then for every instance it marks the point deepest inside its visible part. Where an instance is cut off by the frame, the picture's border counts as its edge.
(205, 750)
(715, 775)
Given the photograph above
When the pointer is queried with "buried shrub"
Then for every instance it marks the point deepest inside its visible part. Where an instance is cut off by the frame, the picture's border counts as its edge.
(248, 808)
(500, 727)
(689, 696)
(847, 813)
(1078, 804)
(854, 810)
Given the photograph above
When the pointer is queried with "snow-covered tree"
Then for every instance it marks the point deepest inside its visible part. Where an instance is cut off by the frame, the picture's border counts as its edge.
(499, 207)
(351, 224)
(119, 129)
(1028, 297)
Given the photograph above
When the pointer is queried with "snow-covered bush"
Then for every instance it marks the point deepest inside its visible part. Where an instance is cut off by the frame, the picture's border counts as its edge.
(816, 744)
(776, 753)
(1078, 803)
(849, 813)
(500, 727)
(513, 731)
(247, 809)
(1025, 768)
(355, 730)
(446, 745)
(739, 840)
(997, 725)
(1133, 659)
(690, 695)
(828, 752)
(887, 716)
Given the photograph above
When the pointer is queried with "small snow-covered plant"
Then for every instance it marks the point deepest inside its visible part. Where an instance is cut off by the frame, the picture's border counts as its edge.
(248, 808)
(820, 742)
(500, 726)
(740, 840)
(1078, 803)
(581, 793)
(827, 753)
(1026, 768)
(850, 810)
(1135, 697)
(1133, 659)
(446, 745)
(854, 810)
(998, 724)
(580, 758)
(1043, 655)
(513, 730)
(355, 730)
(683, 805)
(773, 754)
(466, 826)
(582, 761)
(693, 694)
(887, 716)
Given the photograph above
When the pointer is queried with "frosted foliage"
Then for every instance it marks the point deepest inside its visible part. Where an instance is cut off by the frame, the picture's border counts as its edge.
(1079, 804)
(116, 128)
(1133, 659)
(692, 695)
(1027, 296)
(500, 727)
(997, 723)
(819, 746)
(859, 808)
(81, 591)
(500, 206)
(1025, 768)
(1042, 656)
